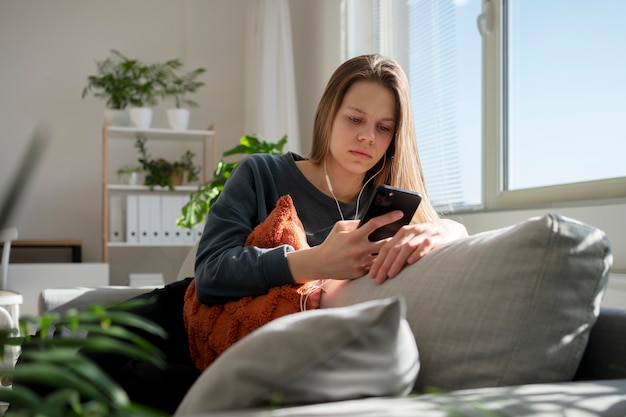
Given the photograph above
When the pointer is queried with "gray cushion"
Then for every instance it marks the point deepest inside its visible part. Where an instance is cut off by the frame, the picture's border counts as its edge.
(505, 307)
(313, 356)
(568, 399)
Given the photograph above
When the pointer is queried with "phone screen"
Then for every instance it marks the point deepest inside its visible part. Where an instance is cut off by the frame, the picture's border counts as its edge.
(385, 199)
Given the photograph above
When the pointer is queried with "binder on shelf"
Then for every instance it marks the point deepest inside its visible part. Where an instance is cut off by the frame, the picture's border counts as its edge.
(170, 210)
(116, 219)
(188, 235)
(149, 218)
(179, 232)
(132, 226)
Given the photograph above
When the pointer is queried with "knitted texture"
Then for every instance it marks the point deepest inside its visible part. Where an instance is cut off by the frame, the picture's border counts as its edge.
(213, 329)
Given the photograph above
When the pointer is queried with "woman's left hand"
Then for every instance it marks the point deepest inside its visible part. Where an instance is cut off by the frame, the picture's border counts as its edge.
(410, 244)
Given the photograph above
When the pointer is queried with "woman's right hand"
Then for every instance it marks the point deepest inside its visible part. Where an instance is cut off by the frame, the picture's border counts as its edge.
(346, 253)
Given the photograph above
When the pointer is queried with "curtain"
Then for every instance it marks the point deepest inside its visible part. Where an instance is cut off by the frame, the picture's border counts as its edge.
(270, 89)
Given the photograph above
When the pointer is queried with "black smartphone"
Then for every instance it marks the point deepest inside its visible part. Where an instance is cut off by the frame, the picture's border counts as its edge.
(385, 199)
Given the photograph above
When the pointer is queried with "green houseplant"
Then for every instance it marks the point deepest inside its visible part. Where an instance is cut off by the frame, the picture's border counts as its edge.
(112, 82)
(129, 174)
(74, 385)
(200, 201)
(179, 86)
(163, 173)
(129, 83)
(148, 84)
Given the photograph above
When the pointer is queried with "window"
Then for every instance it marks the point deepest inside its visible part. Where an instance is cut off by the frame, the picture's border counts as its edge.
(553, 96)
(565, 84)
(530, 113)
(439, 46)
(445, 75)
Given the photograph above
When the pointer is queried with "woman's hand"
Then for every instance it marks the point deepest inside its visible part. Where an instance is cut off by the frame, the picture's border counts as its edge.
(346, 253)
(412, 243)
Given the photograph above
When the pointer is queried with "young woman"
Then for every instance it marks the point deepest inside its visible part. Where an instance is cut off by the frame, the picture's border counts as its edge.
(363, 136)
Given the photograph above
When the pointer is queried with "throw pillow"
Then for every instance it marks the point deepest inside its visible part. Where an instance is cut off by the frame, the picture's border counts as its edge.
(504, 307)
(314, 356)
(213, 329)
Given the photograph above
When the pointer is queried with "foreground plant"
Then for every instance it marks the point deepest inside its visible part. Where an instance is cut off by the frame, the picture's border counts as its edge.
(72, 385)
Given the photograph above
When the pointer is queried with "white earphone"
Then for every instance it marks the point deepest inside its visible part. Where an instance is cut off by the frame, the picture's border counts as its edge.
(358, 199)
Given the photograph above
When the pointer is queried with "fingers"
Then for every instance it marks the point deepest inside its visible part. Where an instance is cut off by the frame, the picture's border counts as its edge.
(408, 246)
(380, 221)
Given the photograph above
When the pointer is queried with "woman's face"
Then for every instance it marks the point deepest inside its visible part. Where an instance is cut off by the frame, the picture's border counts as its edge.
(363, 128)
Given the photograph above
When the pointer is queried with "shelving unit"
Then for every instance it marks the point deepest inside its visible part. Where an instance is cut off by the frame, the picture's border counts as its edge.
(207, 139)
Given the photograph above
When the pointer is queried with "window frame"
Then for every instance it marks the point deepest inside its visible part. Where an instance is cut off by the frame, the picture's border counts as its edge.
(495, 196)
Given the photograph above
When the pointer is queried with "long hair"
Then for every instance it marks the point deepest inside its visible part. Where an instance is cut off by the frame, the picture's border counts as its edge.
(402, 167)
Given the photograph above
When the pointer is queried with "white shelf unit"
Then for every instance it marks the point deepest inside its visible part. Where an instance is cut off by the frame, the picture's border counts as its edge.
(207, 139)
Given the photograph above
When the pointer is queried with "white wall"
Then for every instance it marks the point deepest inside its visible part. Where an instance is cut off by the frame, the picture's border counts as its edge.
(48, 49)
(316, 27)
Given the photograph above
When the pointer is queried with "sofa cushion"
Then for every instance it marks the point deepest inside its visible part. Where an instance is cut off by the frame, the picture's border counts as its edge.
(566, 399)
(313, 356)
(504, 307)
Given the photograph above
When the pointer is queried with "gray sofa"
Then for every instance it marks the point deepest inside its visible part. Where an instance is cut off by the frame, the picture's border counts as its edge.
(506, 322)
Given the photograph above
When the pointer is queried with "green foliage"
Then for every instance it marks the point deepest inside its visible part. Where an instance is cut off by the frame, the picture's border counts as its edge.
(52, 358)
(148, 81)
(179, 86)
(122, 82)
(160, 171)
(200, 202)
(112, 81)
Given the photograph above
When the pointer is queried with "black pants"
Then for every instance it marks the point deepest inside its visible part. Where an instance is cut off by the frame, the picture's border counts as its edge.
(145, 383)
(162, 388)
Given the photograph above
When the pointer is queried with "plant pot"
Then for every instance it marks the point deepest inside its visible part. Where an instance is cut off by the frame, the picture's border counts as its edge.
(116, 117)
(140, 117)
(178, 119)
(177, 179)
(129, 178)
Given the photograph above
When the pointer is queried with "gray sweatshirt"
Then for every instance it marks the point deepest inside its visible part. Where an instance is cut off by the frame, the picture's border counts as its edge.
(227, 270)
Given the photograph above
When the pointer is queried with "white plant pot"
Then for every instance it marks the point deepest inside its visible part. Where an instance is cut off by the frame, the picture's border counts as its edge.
(129, 178)
(116, 117)
(178, 119)
(140, 117)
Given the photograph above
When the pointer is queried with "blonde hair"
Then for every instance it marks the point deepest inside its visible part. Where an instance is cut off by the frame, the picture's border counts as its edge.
(402, 167)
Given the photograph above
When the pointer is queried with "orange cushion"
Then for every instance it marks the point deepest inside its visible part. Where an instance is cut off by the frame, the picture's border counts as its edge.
(213, 329)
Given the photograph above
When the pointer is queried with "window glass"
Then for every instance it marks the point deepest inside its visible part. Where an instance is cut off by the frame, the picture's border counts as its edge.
(445, 75)
(565, 89)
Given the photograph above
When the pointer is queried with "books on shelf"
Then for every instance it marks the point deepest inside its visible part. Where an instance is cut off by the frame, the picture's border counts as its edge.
(149, 219)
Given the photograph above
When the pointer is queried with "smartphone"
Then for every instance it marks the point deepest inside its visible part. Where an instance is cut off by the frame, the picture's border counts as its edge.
(385, 199)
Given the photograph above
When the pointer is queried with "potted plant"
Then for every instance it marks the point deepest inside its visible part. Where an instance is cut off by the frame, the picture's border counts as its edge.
(178, 86)
(148, 82)
(200, 202)
(112, 82)
(129, 174)
(163, 173)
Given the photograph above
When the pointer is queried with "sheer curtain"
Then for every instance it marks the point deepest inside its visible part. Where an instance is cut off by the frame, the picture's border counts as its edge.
(270, 90)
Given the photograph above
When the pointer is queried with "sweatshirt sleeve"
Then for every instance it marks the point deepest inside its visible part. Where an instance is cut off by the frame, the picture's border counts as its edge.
(225, 268)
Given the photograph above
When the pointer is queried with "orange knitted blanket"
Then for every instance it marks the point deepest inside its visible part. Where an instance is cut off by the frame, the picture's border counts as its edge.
(213, 329)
